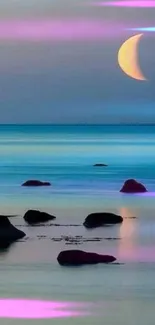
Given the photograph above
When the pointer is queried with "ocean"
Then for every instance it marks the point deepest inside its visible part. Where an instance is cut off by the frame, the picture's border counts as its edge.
(31, 280)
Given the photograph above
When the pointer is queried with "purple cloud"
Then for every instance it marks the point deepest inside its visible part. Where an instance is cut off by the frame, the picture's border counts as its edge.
(57, 30)
(138, 4)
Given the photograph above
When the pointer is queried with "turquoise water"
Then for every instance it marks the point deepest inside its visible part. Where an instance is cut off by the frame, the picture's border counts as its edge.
(64, 155)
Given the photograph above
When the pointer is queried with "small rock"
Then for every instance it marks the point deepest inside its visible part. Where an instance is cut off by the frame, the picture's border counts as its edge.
(36, 183)
(36, 216)
(99, 219)
(79, 257)
(100, 165)
(132, 186)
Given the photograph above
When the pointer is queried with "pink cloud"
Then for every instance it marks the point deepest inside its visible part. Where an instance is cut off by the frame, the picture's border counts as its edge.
(56, 30)
(138, 4)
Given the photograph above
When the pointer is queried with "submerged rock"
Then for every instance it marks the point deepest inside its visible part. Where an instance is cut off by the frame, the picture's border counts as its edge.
(78, 257)
(36, 183)
(100, 165)
(36, 216)
(132, 186)
(8, 233)
(99, 219)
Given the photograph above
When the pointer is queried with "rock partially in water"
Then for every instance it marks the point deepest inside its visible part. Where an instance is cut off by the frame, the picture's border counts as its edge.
(8, 233)
(100, 165)
(36, 216)
(99, 219)
(132, 186)
(36, 183)
(79, 257)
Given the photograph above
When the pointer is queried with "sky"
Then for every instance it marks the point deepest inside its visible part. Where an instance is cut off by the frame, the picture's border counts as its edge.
(59, 62)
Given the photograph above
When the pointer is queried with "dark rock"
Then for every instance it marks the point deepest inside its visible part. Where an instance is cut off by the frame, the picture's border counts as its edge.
(35, 216)
(8, 233)
(36, 183)
(4, 245)
(78, 257)
(99, 219)
(132, 186)
(100, 165)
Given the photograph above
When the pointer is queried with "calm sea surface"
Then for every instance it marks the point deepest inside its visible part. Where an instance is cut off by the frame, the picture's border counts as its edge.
(65, 155)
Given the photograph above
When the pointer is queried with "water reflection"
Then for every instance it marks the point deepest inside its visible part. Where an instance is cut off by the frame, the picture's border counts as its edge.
(38, 309)
(128, 234)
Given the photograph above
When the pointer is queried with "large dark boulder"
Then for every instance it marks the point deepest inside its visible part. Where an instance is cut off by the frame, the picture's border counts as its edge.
(78, 257)
(34, 182)
(36, 216)
(132, 186)
(100, 165)
(99, 219)
(8, 233)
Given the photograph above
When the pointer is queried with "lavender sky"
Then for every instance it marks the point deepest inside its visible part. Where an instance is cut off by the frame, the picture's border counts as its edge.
(58, 62)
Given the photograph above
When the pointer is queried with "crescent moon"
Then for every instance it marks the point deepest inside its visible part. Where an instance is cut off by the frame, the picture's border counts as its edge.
(128, 58)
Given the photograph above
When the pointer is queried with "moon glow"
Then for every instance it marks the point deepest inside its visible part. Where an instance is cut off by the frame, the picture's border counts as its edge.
(128, 58)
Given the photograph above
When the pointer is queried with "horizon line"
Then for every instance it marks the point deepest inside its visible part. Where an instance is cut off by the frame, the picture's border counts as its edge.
(77, 124)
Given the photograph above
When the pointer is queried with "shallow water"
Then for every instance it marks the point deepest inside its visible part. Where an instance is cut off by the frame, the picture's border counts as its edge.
(113, 294)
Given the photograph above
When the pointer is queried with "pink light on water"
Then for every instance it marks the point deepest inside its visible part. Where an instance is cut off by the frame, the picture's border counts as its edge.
(57, 30)
(137, 254)
(132, 4)
(35, 309)
(148, 194)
